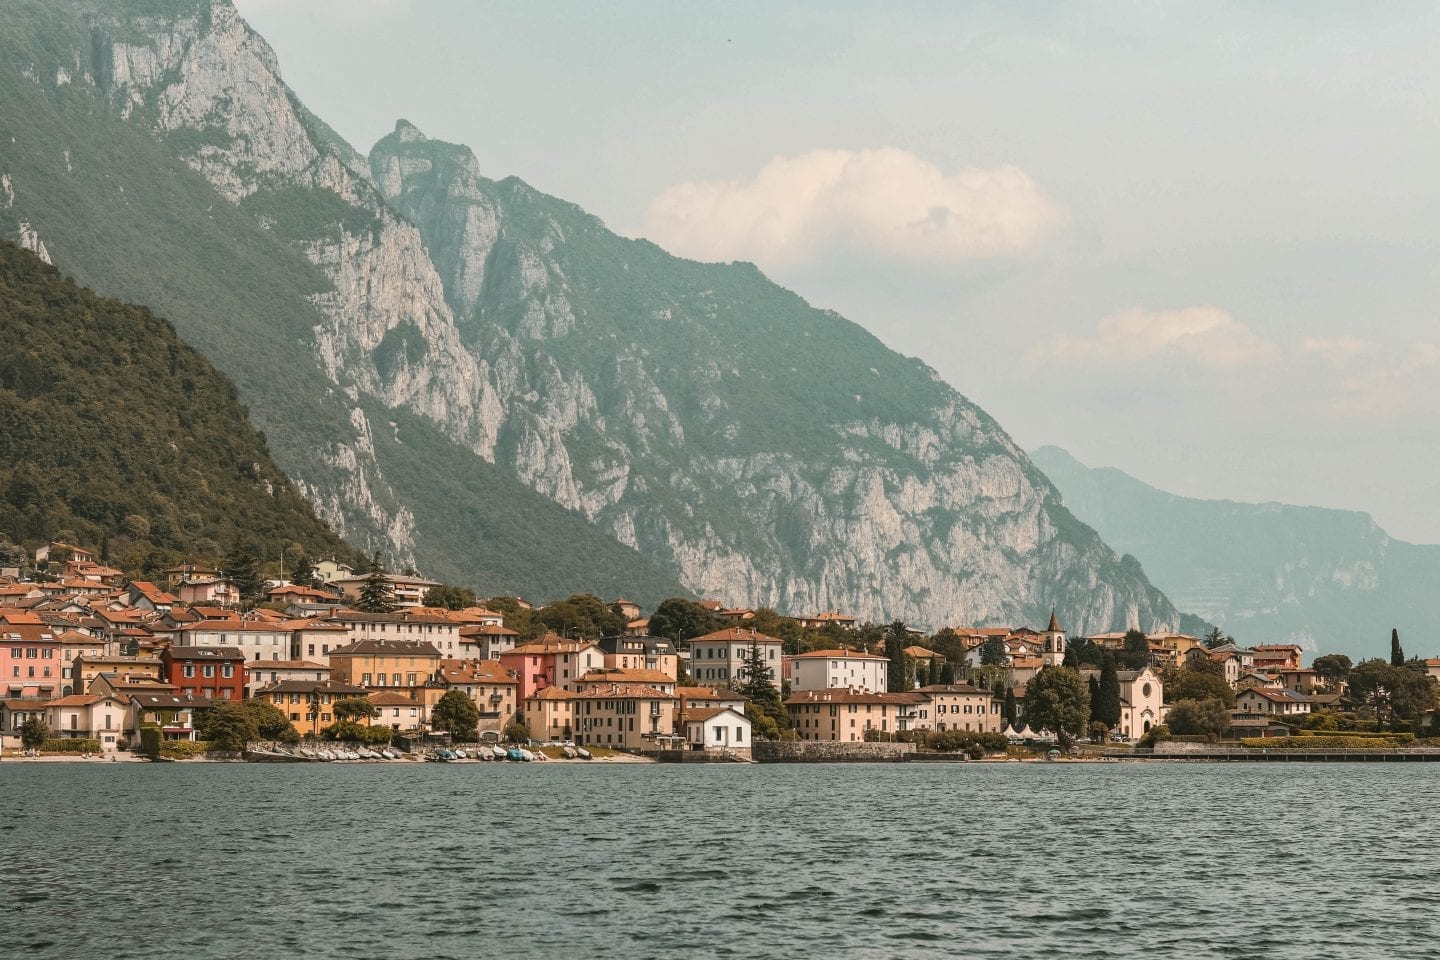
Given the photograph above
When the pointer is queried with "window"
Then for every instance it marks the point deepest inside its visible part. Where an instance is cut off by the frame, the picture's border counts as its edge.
(228, 670)
(209, 669)
(364, 679)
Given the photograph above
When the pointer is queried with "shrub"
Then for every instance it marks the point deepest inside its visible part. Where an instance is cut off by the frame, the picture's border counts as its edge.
(1154, 735)
(185, 749)
(1346, 741)
(79, 745)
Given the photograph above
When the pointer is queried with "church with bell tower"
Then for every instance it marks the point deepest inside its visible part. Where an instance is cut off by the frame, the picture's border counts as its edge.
(1053, 640)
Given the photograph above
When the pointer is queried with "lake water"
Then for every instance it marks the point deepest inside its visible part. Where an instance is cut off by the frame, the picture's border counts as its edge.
(200, 861)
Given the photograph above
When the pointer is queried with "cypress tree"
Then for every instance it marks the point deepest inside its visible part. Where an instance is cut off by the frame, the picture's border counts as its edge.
(947, 673)
(1109, 694)
(1094, 696)
(1397, 655)
(898, 678)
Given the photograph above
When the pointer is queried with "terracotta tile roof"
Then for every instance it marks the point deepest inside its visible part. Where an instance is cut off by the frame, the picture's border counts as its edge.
(719, 694)
(735, 635)
(551, 693)
(622, 675)
(475, 671)
(85, 700)
(701, 714)
(838, 695)
(389, 698)
(486, 630)
(313, 686)
(624, 691)
(837, 655)
(548, 644)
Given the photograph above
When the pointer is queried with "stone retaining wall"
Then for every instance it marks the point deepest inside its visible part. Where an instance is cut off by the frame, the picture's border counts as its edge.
(829, 751)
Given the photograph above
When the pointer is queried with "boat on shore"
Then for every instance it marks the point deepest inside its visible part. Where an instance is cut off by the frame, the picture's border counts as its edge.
(582, 753)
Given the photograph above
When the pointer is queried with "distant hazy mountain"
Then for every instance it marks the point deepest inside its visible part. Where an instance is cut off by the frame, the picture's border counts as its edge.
(476, 376)
(1268, 572)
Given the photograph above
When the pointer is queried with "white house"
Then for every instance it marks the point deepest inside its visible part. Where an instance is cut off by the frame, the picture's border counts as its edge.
(722, 729)
(101, 717)
(1268, 700)
(824, 669)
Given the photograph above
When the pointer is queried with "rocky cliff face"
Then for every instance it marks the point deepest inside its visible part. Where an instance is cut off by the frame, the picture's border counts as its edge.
(760, 449)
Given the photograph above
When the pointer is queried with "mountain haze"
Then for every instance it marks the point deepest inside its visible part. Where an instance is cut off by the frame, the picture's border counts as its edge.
(1267, 573)
(481, 379)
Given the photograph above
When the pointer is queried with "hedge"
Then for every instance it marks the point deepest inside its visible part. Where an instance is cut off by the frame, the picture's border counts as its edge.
(185, 749)
(1370, 734)
(1339, 742)
(81, 745)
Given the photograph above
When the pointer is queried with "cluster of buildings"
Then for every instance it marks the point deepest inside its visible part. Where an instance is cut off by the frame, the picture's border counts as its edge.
(97, 656)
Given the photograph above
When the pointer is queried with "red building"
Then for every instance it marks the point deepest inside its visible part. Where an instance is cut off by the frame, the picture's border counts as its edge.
(213, 673)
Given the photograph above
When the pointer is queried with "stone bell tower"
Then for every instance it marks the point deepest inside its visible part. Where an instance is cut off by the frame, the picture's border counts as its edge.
(1054, 643)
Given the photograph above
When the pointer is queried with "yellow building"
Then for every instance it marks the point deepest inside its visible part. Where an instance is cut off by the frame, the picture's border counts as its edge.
(308, 704)
(403, 666)
(624, 716)
(960, 706)
(844, 714)
(550, 714)
(488, 684)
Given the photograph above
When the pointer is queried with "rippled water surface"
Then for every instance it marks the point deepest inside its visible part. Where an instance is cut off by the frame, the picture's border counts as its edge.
(200, 861)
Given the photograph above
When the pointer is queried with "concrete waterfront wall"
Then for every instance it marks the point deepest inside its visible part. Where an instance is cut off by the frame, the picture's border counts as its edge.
(829, 751)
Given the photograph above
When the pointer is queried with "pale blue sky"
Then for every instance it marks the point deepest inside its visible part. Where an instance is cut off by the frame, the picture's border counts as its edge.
(1219, 263)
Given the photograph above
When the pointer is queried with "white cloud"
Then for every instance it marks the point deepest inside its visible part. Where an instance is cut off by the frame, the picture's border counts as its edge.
(1207, 335)
(1338, 350)
(884, 202)
(1393, 386)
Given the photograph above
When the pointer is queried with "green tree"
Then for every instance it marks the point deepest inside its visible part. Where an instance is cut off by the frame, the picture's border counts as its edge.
(1012, 709)
(1198, 718)
(992, 652)
(1199, 682)
(1369, 686)
(1108, 691)
(228, 726)
(456, 714)
(516, 731)
(1092, 684)
(1056, 699)
(243, 567)
(520, 619)
(271, 722)
(450, 597)
(1333, 669)
(897, 678)
(1413, 692)
(376, 595)
(355, 708)
(1215, 638)
(33, 733)
(583, 616)
(347, 730)
(947, 672)
(1136, 654)
(680, 619)
(302, 572)
(1397, 655)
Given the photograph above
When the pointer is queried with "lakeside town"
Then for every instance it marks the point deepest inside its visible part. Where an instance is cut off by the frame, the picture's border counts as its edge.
(330, 662)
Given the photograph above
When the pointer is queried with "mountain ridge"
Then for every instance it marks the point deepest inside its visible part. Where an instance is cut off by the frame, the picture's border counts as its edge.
(1270, 572)
(749, 445)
